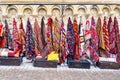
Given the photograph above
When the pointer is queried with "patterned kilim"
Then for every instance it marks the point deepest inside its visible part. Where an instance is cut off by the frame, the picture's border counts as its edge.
(21, 36)
(76, 34)
(99, 31)
(1, 29)
(7, 37)
(94, 36)
(50, 34)
(70, 39)
(37, 38)
(117, 39)
(43, 30)
(112, 38)
(1, 36)
(106, 37)
(63, 44)
(15, 35)
(30, 44)
(94, 41)
(56, 35)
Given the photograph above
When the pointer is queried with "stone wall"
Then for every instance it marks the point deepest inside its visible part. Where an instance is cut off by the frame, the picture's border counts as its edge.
(74, 1)
(60, 11)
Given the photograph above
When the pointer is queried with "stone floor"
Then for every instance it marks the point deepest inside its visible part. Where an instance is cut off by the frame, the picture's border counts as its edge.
(27, 72)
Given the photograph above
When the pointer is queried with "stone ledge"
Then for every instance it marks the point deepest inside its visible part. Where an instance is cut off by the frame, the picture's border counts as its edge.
(60, 3)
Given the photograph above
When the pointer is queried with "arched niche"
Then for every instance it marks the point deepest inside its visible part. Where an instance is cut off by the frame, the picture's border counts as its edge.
(117, 12)
(94, 12)
(56, 12)
(106, 11)
(42, 12)
(27, 12)
(12, 12)
(69, 12)
(81, 12)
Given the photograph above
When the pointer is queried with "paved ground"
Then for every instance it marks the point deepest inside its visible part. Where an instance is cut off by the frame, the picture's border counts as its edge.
(28, 72)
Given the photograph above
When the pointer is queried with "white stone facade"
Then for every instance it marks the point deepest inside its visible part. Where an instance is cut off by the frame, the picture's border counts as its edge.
(60, 11)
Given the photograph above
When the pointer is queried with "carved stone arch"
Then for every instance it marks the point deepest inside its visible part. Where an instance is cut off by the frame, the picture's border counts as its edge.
(107, 6)
(12, 11)
(27, 10)
(69, 7)
(27, 13)
(42, 11)
(56, 6)
(81, 13)
(56, 12)
(106, 10)
(94, 11)
(82, 10)
(69, 11)
(117, 11)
